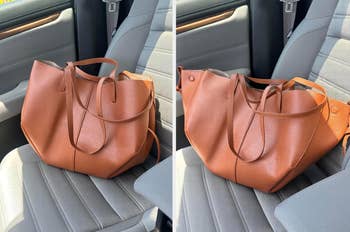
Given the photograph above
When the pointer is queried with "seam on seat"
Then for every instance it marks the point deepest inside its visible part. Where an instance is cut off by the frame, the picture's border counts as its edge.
(340, 16)
(54, 198)
(334, 59)
(75, 189)
(129, 194)
(280, 195)
(164, 10)
(187, 223)
(336, 37)
(209, 198)
(326, 81)
(164, 75)
(164, 123)
(122, 221)
(158, 50)
(163, 97)
(122, 218)
(161, 121)
(234, 199)
(166, 99)
(165, 50)
(261, 208)
(31, 210)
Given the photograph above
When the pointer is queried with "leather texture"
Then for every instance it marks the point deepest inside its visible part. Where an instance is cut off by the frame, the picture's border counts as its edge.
(126, 47)
(179, 107)
(324, 206)
(156, 185)
(206, 202)
(260, 139)
(33, 44)
(103, 126)
(38, 197)
(193, 52)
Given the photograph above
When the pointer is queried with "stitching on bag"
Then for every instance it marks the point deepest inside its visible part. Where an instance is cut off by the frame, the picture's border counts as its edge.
(239, 211)
(209, 198)
(54, 198)
(83, 202)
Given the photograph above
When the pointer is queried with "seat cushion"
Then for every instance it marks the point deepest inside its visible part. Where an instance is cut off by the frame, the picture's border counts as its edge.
(38, 197)
(206, 202)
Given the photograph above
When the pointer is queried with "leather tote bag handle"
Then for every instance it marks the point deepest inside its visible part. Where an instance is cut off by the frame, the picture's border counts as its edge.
(71, 92)
(238, 81)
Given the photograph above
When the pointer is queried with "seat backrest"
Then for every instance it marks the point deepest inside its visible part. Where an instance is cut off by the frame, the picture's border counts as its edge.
(320, 50)
(143, 44)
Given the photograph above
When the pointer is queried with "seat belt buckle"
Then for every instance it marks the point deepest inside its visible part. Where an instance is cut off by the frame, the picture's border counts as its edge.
(112, 5)
(289, 5)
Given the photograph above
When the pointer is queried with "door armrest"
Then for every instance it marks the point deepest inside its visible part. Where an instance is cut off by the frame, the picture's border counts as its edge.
(156, 186)
(12, 101)
(324, 206)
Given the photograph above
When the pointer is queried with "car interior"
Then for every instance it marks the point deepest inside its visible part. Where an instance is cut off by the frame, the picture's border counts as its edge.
(38, 197)
(247, 37)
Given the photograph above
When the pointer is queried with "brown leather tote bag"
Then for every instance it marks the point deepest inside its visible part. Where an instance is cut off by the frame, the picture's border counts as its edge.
(84, 123)
(259, 138)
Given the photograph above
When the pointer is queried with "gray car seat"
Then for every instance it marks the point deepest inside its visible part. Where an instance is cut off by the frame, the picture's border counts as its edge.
(319, 49)
(38, 197)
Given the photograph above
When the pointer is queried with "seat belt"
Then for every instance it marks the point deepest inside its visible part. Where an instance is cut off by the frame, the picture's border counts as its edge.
(289, 13)
(112, 14)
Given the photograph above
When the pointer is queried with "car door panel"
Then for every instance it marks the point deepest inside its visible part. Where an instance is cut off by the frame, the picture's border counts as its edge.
(19, 12)
(190, 10)
(222, 45)
(29, 30)
(211, 34)
(54, 40)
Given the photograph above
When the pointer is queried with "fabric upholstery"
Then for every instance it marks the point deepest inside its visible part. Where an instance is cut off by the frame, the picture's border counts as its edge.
(206, 202)
(301, 50)
(156, 61)
(38, 197)
(131, 36)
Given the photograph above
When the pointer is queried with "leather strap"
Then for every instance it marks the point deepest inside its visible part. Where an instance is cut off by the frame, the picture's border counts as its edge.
(69, 104)
(346, 137)
(71, 93)
(95, 61)
(239, 81)
(156, 140)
